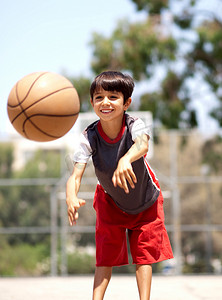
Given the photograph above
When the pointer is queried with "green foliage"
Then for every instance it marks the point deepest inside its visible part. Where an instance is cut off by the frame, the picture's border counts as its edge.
(103, 51)
(6, 160)
(81, 263)
(212, 154)
(166, 105)
(183, 22)
(24, 260)
(82, 85)
(26, 254)
(217, 114)
(42, 164)
(207, 57)
(29, 205)
(140, 47)
(196, 268)
(153, 7)
(132, 47)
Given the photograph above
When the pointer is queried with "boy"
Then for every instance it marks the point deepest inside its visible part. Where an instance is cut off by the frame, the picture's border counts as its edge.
(128, 196)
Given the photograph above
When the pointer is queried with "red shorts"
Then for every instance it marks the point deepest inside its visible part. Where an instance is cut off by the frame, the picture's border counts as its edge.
(148, 239)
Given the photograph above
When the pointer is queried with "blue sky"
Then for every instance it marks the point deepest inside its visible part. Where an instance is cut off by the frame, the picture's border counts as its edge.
(51, 35)
(54, 35)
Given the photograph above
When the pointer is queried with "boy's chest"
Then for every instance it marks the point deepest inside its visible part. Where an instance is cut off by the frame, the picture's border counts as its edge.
(106, 156)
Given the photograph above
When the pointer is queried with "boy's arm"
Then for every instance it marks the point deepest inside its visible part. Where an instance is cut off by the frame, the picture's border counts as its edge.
(124, 171)
(72, 188)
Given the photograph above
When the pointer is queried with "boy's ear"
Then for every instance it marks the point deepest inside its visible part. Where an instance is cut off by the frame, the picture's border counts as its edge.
(91, 101)
(127, 103)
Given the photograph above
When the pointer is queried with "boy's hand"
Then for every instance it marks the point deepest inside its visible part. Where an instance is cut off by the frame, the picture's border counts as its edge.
(73, 206)
(123, 173)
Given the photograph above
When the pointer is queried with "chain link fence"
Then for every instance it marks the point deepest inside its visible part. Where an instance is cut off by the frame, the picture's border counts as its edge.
(193, 211)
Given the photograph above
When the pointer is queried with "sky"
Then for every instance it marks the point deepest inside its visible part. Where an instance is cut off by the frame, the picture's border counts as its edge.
(52, 35)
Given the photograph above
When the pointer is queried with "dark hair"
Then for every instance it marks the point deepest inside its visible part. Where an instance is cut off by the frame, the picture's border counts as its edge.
(113, 81)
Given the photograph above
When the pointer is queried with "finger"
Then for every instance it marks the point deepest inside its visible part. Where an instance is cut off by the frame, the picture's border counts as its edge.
(76, 215)
(71, 220)
(114, 180)
(70, 212)
(130, 181)
(133, 175)
(121, 181)
(81, 202)
(131, 178)
(76, 206)
(71, 216)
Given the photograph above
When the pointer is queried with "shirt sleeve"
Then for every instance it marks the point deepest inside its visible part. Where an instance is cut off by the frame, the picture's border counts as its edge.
(140, 128)
(83, 151)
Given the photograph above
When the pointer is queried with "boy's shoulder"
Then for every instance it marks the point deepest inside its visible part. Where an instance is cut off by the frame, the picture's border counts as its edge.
(91, 127)
(130, 119)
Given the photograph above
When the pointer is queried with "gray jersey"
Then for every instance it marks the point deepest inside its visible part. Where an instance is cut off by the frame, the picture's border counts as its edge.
(106, 153)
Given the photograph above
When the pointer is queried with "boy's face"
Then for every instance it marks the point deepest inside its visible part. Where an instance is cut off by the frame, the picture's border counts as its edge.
(109, 105)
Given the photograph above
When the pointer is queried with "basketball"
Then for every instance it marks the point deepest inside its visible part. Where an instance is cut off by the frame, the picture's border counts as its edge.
(43, 106)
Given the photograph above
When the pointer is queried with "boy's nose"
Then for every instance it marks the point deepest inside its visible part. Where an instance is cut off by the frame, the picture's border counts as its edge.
(106, 100)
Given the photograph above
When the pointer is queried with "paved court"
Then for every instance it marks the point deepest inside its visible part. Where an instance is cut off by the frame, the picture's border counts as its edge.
(120, 288)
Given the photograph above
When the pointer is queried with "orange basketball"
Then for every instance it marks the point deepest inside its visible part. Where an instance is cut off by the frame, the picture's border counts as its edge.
(43, 106)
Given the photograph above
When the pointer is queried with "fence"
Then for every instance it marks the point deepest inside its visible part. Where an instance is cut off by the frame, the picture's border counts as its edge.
(179, 190)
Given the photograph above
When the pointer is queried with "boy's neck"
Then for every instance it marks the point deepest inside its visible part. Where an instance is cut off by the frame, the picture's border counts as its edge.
(112, 128)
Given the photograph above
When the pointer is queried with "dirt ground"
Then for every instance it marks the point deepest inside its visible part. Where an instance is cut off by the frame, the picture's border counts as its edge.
(120, 288)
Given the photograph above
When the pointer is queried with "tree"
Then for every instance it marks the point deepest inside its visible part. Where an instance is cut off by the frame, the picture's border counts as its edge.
(175, 52)
(27, 205)
(212, 155)
(82, 85)
(6, 160)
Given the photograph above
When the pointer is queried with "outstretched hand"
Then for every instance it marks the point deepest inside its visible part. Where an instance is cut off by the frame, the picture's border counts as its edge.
(123, 174)
(73, 206)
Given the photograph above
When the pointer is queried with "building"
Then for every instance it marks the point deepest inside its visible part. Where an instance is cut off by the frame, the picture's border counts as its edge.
(24, 148)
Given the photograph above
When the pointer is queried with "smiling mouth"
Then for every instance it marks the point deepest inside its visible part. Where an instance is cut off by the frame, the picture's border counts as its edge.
(106, 111)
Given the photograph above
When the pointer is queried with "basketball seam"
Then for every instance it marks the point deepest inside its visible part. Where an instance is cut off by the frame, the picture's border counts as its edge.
(52, 115)
(39, 100)
(20, 103)
(50, 135)
(16, 88)
(25, 112)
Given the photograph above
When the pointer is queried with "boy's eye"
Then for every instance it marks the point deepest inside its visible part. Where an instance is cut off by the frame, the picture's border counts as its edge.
(98, 97)
(113, 97)
(101, 97)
